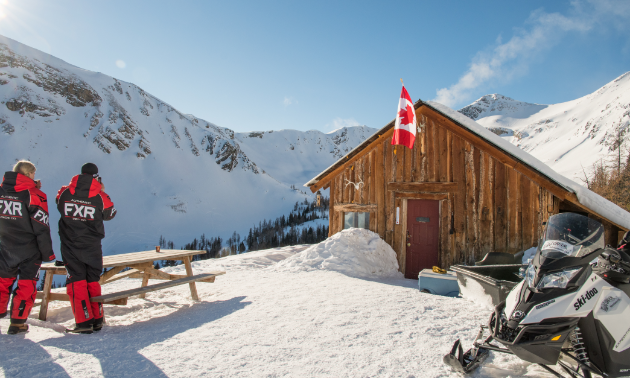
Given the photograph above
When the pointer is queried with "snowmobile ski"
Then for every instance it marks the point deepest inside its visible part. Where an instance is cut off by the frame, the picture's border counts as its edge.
(465, 362)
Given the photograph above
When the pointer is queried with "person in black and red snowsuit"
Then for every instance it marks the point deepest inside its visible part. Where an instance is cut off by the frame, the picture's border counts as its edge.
(84, 206)
(24, 241)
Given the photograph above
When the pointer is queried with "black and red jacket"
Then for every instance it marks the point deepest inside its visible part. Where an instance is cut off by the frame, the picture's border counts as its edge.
(24, 230)
(83, 207)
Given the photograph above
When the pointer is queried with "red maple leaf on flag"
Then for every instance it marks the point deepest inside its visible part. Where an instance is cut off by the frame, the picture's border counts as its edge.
(406, 115)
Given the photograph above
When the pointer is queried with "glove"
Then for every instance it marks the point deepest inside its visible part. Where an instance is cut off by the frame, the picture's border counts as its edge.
(60, 263)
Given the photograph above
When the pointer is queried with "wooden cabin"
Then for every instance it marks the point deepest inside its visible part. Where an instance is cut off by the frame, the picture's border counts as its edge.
(459, 193)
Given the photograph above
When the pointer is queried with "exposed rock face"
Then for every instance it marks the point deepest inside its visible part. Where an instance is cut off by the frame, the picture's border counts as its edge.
(50, 79)
(494, 103)
(119, 115)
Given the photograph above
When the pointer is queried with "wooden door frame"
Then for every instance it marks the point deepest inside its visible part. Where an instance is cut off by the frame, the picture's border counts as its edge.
(402, 264)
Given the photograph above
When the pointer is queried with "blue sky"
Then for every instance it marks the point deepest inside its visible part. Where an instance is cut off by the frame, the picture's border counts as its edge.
(263, 65)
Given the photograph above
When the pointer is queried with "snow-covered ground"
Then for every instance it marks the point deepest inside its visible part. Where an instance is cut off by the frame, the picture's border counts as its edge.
(261, 321)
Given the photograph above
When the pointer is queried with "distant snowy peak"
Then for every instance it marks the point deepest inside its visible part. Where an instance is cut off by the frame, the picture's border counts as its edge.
(569, 137)
(498, 104)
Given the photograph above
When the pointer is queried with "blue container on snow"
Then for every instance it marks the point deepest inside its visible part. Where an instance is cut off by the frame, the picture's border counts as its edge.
(439, 284)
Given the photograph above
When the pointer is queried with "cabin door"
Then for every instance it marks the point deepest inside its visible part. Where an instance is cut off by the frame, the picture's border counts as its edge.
(423, 229)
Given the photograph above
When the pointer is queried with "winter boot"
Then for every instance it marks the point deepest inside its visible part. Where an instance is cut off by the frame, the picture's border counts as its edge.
(14, 329)
(98, 324)
(85, 328)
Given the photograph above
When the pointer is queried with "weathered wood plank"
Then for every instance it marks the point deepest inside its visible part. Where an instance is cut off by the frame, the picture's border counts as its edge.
(389, 196)
(43, 309)
(129, 273)
(191, 284)
(514, 212)
(431, 163)
(399, 166)
(408, 163)
(443, 154)
(110, 273)
(147, 289)
(459, 176)
(331, 208)
(358, 177)
(500, 207)
(449, 155)
(379, 173)
(339, 215)
(402, 261)
(422, 153)
(438, 187)
(471, 206)
(444, 255)
(422, 195)
(398, 230)
(527, 217)
(356, 207)
(486, 205)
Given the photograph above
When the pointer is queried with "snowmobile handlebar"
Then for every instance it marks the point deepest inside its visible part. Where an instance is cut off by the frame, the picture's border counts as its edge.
(615, 258)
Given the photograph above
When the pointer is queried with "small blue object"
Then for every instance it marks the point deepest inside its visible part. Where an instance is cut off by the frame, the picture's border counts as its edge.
(439, 284)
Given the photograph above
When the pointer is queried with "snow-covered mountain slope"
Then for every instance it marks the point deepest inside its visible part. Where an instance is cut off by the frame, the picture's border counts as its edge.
(168, 173)
(570, 136)
(294, 157)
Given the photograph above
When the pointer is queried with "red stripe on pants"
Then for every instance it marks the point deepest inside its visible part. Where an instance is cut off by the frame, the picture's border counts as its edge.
(94, 290)
(79, 301)
(5, 293)
(23, 300)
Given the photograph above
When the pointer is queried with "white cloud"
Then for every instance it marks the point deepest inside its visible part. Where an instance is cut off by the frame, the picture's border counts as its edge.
(544, 30)
(339, 123)
(289, 101)
(121, 63)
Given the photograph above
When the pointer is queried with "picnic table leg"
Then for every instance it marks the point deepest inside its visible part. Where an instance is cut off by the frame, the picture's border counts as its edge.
(189, 273)
(145, 282)
(43, 307)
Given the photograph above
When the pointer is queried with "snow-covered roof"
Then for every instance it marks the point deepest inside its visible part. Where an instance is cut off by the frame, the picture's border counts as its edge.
(592, 201)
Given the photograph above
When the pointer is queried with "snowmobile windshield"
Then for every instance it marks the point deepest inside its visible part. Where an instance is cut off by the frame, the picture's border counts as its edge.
(571, 235)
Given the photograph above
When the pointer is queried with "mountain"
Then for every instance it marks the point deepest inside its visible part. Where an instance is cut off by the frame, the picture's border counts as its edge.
(569, 137)
(168, 173)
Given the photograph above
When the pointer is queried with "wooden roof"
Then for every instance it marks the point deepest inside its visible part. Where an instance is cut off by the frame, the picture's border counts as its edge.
(323, 179)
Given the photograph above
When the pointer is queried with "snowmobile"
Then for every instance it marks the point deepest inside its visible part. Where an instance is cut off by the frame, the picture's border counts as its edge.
(571, 309)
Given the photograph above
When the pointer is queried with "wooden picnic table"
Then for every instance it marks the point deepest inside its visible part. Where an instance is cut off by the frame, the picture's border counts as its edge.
(140, 265)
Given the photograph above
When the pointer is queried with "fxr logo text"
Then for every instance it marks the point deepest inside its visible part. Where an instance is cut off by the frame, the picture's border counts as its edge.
(81, 211)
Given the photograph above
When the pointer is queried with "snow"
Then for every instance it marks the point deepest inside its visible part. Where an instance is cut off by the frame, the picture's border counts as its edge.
(355, 252)
(257, 321)
(589, 199)
(179, 190)
(473, 291)
(528, 255)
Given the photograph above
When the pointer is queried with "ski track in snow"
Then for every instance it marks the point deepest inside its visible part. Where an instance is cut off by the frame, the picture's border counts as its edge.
(256, 321)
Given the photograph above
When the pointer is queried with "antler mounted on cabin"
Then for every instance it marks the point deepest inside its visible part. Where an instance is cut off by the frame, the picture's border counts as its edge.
(356, 185)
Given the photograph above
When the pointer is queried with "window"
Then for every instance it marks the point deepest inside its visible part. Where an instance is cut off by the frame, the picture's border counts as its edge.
(356, 220)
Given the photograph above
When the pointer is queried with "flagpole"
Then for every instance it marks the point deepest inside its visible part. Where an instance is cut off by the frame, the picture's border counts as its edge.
(403, 84)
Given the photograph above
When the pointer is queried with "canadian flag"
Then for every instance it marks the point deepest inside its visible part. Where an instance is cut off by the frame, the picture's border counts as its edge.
(405, 128)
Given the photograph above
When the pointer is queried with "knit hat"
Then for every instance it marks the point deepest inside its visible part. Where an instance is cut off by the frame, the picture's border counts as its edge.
(89, 169)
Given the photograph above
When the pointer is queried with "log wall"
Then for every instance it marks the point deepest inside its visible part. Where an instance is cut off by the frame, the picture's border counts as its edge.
(488, 205)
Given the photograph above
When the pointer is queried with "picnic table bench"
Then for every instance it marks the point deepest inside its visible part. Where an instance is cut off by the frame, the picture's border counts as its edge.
(140, 265)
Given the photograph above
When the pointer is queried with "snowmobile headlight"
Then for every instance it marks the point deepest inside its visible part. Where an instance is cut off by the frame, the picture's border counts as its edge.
(530, 275)
(558, 279)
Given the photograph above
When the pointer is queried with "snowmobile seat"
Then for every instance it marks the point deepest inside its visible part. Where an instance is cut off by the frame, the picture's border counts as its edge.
(497, 258)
